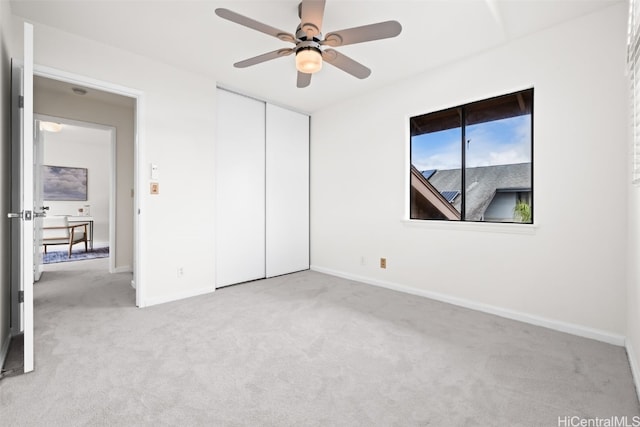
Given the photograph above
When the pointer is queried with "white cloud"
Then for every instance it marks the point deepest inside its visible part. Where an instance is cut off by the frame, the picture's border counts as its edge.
(488, 149)
(449, 158)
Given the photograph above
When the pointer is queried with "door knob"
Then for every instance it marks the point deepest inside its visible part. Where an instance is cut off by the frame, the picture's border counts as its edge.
(26, 215)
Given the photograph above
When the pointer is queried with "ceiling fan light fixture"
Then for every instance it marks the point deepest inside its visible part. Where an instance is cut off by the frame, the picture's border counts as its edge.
(308, 60)
(50, 126)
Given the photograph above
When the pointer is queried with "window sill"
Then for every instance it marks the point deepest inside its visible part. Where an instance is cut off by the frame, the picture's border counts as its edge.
(486, 227)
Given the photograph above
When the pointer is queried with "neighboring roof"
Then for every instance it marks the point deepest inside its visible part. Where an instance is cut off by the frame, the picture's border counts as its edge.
(427, 174)
(428, 199)
(450, 195)
(482, 184)
(497, 108)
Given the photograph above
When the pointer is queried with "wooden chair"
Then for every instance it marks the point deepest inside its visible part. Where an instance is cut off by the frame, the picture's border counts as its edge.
(57, 231)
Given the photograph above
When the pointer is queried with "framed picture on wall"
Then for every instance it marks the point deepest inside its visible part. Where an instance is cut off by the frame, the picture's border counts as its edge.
(64, 183)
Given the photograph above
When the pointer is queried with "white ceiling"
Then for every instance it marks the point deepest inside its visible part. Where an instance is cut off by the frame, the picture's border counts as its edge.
(189, 35)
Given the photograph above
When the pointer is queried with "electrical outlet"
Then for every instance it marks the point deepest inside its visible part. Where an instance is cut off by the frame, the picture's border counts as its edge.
(363, 261)
(180, 271)
(383, 263)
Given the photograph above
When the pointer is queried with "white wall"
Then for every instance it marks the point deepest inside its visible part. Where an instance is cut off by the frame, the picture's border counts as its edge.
(178, 116)
(571, 268)
(83, 147)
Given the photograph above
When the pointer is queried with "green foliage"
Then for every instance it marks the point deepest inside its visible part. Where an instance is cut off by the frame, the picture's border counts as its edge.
(522, 212)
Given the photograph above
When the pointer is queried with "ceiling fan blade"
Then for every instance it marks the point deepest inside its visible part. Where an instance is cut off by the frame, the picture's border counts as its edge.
(345, 63)
(255, 25)
(311, 13)
(262, 58)
(381, 30)
(304, 79)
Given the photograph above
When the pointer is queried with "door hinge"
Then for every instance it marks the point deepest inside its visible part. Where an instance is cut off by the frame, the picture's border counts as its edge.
(20, 296)
(21, 101)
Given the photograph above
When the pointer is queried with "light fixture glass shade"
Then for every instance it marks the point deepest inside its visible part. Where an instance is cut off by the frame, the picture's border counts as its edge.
(308, 60)
(50, 126)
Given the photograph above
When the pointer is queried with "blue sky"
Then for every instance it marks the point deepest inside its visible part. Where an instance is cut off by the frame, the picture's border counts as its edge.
(498, 142)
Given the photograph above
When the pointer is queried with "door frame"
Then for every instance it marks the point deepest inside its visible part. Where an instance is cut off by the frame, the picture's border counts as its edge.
(138, 201)
(112, 173)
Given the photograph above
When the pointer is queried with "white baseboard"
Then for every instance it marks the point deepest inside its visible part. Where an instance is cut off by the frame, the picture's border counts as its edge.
(4, 350)
(147, 302)
(635, 373)
(570, 328)
(123, 269)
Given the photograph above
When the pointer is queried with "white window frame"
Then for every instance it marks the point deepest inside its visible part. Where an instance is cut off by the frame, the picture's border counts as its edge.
(633, 60)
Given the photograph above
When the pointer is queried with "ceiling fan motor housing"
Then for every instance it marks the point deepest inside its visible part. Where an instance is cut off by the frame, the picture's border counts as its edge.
(305, 42)
(308, 45)
(306, 32)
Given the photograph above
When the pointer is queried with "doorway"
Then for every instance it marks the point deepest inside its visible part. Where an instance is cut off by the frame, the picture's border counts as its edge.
(81, 156)
(79, 104)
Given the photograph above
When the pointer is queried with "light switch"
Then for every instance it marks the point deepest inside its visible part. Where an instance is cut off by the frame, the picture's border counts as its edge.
(154, 171)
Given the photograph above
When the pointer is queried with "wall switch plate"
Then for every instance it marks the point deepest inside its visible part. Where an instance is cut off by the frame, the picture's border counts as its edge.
(155, 188)
(383, 263)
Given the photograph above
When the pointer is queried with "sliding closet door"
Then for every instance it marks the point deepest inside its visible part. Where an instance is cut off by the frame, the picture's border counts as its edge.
(240, 194)
(287, 190)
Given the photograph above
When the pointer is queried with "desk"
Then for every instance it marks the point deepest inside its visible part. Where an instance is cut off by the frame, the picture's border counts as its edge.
(88, 220)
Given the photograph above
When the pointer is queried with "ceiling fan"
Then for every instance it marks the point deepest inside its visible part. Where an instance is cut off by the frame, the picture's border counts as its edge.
(309, 43)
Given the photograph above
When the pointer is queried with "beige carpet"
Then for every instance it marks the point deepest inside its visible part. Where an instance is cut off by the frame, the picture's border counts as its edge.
(299, 350)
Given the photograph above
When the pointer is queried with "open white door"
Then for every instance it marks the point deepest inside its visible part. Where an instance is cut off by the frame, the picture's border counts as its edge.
(22, 230)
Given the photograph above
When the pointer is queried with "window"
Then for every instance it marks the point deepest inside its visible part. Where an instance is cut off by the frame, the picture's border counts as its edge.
(633, 60)
(474, 162)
